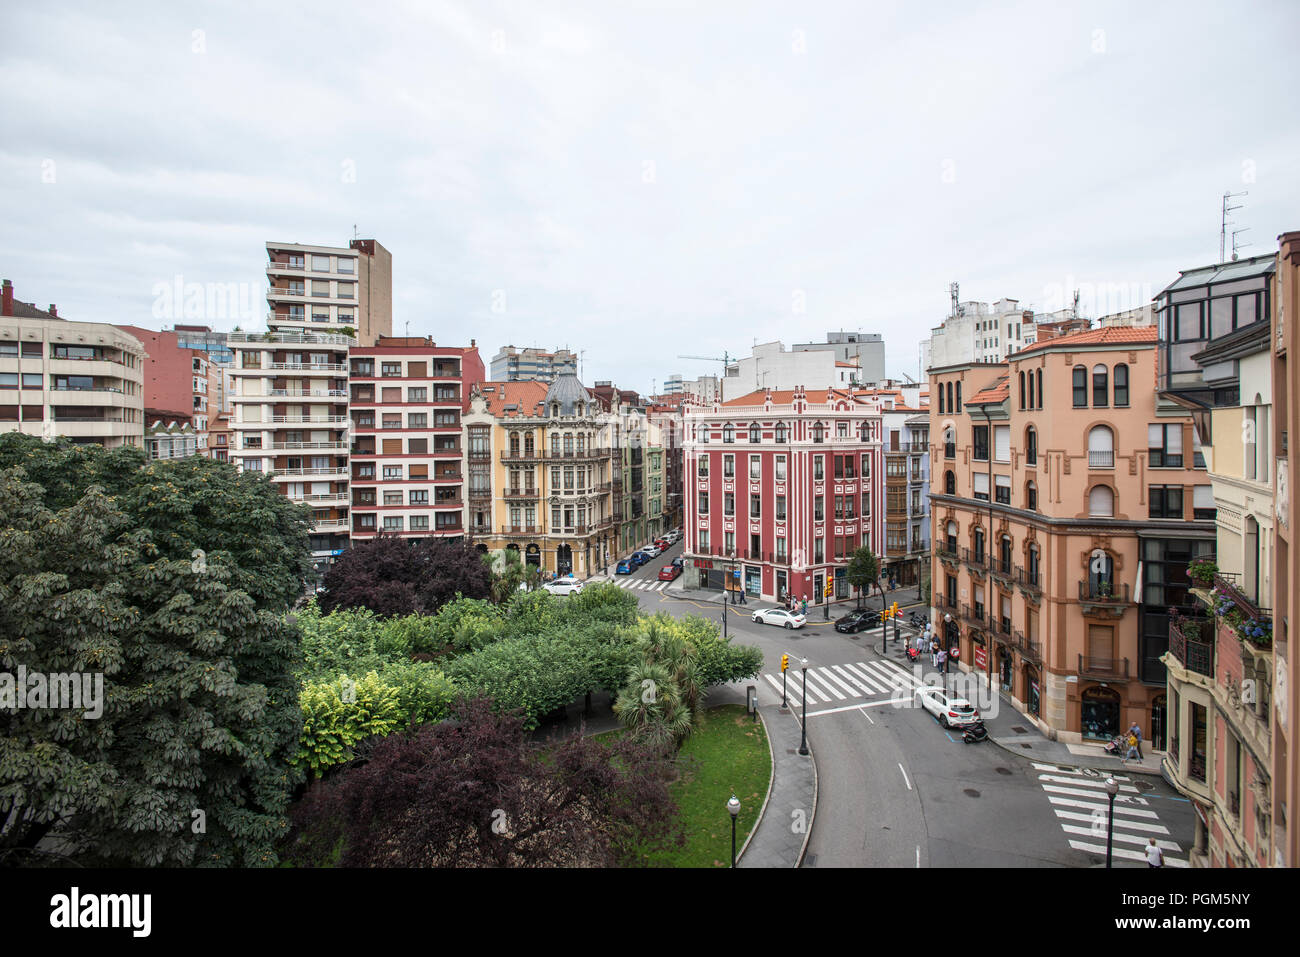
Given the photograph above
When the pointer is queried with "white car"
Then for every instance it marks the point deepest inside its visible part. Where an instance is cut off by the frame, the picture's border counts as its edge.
(563, 586)
(949, 711)
(673, 536)
(652, 550)
(779, 616)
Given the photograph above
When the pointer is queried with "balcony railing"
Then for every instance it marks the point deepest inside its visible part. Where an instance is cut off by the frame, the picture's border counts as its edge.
(1101, 460)
(521, 529)
(297, 338)
(1103, 592)
(308, 420)
(1030, 581)
(479, 455)
(1194, 654)
(974, 615)
(1116, 668)
(509, 455)
(290, 473)
(1229, 584)
(307, 366)
(337, 446)
(1028, 647)
(974, 558)
(522, 493)
(306, 393)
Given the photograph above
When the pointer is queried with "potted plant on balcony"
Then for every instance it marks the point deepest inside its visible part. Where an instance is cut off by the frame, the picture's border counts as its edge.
(1202, 572)
(268, 335)
(1103, 589)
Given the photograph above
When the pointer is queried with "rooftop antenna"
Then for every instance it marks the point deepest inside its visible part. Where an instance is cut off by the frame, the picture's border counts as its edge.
(355, 234)
(1236, 245)
(953, 292)
(1225, 222)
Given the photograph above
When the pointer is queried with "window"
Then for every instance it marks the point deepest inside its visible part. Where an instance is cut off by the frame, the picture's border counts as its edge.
(1080, 386)
(781, 432)
(1166, 501)
(420, 394)
(703, 433)
(1203, 506)
(420, 523)
(755, 506)
(950, 544)
(959, 397)
(780, 508)
(819, 508)
(949, 483)
(1101, 501)
(1031, 496)
(1121, 386)
(728, 466)
(1165, 446)
(1022, 390)
(728, 503)
(1002, 489)
(728, 433)
(1100, 386)
(320, 263)
(755, 434)
(1038, 401)
(419, 497)
(702, 466)
(981, 443)
(704, 503)
(392, 472)
(755, 467)
(347, 265)
(393, 523)
(780, 468)
(1031, 446)
(1101, 448)
(981, 489)
(392, 497)
(819, 550)
(819, 468)
(950, 443)
(819, 432)
(1002, 443)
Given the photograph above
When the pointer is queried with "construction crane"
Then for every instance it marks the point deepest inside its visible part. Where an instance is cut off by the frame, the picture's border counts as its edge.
(726, 359)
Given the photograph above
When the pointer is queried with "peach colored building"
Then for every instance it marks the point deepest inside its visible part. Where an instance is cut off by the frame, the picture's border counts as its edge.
(1065, 511)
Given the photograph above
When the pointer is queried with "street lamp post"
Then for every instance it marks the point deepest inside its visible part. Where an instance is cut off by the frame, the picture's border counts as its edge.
(1112, 788)
(947, 639)
(803, 736)
(733, 808)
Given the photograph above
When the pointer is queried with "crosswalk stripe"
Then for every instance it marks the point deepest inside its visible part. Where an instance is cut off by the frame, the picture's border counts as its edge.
(1119, 822)
(1078, 792)
(776, 685)
(1097, 783)
(828, 674)
(863, 690)
(890, 678)
(898, 673)
(1124, 853)
(823, 686)
(874, 683)
(1121, 837)
(1092, 805)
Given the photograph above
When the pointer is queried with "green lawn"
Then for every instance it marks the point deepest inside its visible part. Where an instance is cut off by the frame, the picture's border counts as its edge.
(727, 752)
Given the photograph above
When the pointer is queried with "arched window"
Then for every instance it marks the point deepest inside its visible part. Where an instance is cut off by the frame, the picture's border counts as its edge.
(952, 537)
(755, 434)
(1032, 556)
(1038, 403)
(1031, 496)
(1101, 574)
(1100, 386)
(1080, 386)
(528, 443)
(949, 398)
(1121, 386)
(514, 443)
(949, 483)
(1031, 446)
(959, 397)
(1101, 502)
(555, 410)
(819, 432)
(977, 543)
(1101, 448)
(1022, 390)
(941, 405)
(1004, 555)
(728, 433)
(865, 432)
(781, 432)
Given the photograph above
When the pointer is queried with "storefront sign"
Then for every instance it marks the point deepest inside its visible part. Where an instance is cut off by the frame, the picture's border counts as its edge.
(981, 659)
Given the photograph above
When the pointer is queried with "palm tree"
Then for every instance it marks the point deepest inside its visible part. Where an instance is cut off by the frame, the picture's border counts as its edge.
(650, 706)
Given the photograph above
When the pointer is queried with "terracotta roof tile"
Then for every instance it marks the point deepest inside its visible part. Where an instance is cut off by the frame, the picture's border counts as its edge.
(527, 395)
(997, 392)
(1110, 335)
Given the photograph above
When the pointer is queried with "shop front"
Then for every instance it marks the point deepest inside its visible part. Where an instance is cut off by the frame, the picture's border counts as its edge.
(1099, 713)
(1033, 694)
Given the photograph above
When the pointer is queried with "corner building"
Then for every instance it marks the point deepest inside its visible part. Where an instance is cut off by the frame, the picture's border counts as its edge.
(782, 487)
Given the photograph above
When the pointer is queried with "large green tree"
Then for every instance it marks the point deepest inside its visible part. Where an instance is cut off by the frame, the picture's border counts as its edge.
(863, 570)
(170, 580)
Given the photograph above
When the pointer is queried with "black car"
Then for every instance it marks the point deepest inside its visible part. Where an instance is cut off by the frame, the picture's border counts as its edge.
(858, 621)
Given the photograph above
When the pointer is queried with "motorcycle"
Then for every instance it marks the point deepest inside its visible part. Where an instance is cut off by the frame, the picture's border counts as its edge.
(917, 620)
(912, 653)
(975, 732)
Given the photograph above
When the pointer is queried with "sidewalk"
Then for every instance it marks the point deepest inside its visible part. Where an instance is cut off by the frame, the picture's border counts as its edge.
(781, 835)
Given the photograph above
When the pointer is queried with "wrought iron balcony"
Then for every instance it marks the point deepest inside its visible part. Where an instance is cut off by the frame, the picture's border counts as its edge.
(1103, 592)
(1030, 581)
(1193, 653)
(1116, 668)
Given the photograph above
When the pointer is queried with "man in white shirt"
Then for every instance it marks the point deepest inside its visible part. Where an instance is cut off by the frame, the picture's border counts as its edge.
(1155, 857)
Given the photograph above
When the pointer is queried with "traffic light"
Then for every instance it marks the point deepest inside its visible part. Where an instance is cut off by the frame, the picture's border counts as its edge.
(785, 662)
(894, 610)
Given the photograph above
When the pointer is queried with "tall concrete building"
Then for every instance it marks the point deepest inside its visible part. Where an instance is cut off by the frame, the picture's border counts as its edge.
(774, 367)
(865, 350)
(514, 365)
(983, 332)
(289, 414)
(80, 380)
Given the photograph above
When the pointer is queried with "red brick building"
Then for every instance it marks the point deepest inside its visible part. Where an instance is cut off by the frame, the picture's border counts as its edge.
(179, 382)
(781, 487)
(406, 396)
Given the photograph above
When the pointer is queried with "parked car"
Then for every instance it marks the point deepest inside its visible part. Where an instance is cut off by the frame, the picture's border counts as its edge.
(564, 586)
(856, 621)
(669, 572)
(625, 567)
(672, 537)
(949, 711)
(640, 558)
(652, 550)
(779, 616)
(663, 544)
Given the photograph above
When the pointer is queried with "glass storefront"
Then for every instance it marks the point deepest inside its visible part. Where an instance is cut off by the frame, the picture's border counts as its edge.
(1099, 713)
(1032, 695)
(753, 580)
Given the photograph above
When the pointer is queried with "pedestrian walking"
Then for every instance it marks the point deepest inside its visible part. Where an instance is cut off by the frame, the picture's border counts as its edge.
(742, 596)
(1132, 754)
(941, 661)
(803, 609)
(1136, 733)
(1155, 857)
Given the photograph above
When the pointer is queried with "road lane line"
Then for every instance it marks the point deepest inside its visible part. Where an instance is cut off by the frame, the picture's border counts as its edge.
(776, 685)
(905, 780)
(865, 715)
(863, 690)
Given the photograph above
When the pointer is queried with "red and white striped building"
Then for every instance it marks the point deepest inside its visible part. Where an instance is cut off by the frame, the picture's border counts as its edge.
(781, 486)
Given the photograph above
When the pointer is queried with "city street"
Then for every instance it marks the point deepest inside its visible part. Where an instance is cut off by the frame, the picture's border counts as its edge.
(895, 789)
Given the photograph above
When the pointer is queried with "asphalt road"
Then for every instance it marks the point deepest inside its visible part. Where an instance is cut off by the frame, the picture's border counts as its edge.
(895, 789)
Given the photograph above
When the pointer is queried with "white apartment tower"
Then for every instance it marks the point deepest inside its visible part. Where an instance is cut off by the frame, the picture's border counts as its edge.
(289, 415)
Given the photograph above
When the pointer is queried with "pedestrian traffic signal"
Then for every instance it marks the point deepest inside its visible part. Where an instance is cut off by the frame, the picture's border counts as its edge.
(785, 662)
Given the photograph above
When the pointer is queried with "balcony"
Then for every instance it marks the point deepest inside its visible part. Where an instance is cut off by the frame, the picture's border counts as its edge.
(1002, 570)
(308, 420)
(977, 561)
(1101, 460)
(521, 529)
(294, 338)
(947, 553)
(1030, 582)
(480, 494)
(306, 394)
(329, 524)
(335, 446)
(514, 455)
(1229, 589)
(1108, 668)
(1193, 653)
(479, 455)
(974, 615)
(287, 474)
(1103, 597)
(515, 493)
(1029, 648)
(328, 498)
(314, 367)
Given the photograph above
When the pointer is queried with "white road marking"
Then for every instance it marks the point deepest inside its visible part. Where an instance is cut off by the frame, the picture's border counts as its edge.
(1124, 853)
(1119, 821)
(905, 780)
(823, 687)
(1091, 805)
(865, 715)
(1123, 838)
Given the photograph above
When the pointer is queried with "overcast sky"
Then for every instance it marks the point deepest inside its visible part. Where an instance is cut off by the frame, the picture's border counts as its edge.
(639, 180)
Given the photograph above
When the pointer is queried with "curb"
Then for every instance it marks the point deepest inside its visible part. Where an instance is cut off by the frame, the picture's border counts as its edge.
(1126, 770)
(803, 848)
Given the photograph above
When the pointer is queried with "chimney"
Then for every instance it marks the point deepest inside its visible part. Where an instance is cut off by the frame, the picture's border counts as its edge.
(8, 303)
(54, 310)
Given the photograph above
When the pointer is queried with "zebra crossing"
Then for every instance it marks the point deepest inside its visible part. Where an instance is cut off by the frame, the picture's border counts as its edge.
(640, 584)
(848, 682)
(1079, 798)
